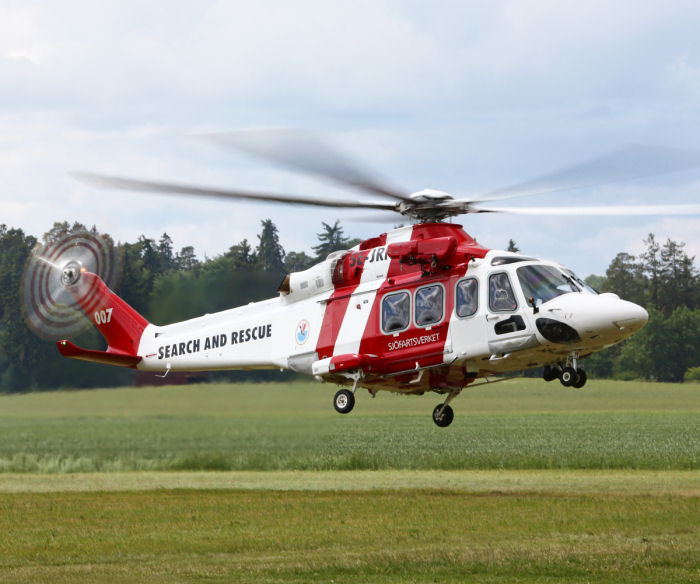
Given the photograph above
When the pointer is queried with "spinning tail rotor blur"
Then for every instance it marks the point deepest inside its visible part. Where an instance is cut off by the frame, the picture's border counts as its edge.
(53, 287)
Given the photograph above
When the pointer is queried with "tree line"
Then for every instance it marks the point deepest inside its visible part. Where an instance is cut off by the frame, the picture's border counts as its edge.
(168, 285)
(163, 284)
(663, 279)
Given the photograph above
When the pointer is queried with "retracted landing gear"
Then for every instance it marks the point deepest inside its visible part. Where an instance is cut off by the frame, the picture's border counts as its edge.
(443, 413)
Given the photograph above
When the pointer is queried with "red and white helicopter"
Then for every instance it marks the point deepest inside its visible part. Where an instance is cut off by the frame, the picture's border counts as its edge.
(419, 308)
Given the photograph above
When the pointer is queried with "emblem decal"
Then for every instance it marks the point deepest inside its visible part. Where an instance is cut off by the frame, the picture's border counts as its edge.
(302, 333)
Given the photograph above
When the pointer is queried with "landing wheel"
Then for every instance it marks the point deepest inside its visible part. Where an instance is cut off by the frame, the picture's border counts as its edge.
(445, 419)
(344, 401)
(550, 373)
(580, 380)
(567, 376)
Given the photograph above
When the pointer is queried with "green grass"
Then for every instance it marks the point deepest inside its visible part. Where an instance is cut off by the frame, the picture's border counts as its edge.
(546, 482)
(477, 441)
(275, 427)
(388, 536)
(531, 483)
(311, 398)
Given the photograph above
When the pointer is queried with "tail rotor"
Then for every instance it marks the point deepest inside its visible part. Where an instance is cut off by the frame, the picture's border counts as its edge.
(54, 289)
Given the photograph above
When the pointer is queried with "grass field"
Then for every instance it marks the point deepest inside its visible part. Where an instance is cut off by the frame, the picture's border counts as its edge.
(384, 536)
(523, 424)
(253, 483)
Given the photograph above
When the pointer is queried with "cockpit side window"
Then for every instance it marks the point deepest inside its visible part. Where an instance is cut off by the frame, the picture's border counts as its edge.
(466, 297)
(429, 305)
(396, 312)
(501, 296)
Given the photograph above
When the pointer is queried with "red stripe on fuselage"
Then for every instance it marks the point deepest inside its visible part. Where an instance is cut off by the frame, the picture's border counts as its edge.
(415, 347)
(336, 307)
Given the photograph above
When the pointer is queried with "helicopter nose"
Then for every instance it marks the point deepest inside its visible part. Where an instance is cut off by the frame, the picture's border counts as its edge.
(632, 317)
(612, 319)
(596, 320)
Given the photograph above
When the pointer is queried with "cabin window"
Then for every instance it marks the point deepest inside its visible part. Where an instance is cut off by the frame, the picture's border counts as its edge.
(467, 297)
(396, 312)
(501, 296)
(430, 302)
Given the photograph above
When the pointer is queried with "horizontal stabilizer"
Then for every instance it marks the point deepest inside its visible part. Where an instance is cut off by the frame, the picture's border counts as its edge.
(72, 351)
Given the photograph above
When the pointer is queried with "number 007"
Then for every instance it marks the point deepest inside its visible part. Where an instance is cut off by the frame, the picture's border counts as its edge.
(103, 316)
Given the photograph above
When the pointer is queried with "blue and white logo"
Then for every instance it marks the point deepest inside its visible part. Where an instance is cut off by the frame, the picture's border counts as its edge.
(303, 329)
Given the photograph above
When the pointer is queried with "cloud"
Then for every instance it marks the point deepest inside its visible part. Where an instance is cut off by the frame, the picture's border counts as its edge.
(465, 97)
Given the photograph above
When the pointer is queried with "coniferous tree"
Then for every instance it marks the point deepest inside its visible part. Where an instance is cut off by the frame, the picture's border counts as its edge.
(242, 254)
(21, 351)
(651, 266)
(165, 254)
(270, 254)
(678, 278)
(625, 278)
(330, 239)
(186, 260)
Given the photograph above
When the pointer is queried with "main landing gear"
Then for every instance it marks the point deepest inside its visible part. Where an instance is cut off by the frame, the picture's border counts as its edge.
(344, 401)
(569, 375)
(443, 413)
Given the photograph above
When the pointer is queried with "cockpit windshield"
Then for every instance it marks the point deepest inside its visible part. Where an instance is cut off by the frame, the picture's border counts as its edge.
(581, 283)
(542, 283)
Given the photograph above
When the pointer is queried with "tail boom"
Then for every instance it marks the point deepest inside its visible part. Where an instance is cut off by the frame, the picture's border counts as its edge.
(120, 325)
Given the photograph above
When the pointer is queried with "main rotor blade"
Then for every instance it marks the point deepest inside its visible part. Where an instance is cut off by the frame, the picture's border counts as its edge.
(129, 184)
(630, 210)
(632, 162)
(305, 151)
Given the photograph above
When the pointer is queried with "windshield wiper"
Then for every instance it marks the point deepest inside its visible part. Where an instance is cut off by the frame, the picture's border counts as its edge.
(571, 280)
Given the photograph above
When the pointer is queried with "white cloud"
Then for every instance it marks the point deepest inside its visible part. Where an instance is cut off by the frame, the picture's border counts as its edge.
(460, 96)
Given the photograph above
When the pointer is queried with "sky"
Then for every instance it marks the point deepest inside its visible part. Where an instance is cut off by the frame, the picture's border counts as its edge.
(464, 97)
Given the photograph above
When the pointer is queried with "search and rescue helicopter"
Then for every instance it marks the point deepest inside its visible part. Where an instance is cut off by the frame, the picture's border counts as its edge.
(419, 308)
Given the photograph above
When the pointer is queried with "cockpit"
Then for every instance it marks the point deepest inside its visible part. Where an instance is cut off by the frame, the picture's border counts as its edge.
(541, 283)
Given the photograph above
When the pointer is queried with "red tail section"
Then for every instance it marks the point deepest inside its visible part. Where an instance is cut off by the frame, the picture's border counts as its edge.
(118, 323)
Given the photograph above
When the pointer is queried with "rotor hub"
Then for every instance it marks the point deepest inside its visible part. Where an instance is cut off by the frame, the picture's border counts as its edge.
(429, 205)
(71, 273)
(430, 195)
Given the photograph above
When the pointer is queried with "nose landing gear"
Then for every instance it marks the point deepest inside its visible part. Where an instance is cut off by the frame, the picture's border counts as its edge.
(569, 374)
(580, 380)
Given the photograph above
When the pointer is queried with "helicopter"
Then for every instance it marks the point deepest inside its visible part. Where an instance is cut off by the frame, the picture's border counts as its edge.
(419, 308)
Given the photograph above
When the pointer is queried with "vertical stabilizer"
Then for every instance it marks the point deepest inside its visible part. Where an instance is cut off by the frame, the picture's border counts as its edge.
(118, 322)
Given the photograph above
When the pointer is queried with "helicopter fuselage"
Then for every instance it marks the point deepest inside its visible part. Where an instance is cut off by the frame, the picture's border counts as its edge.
(420, 308)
